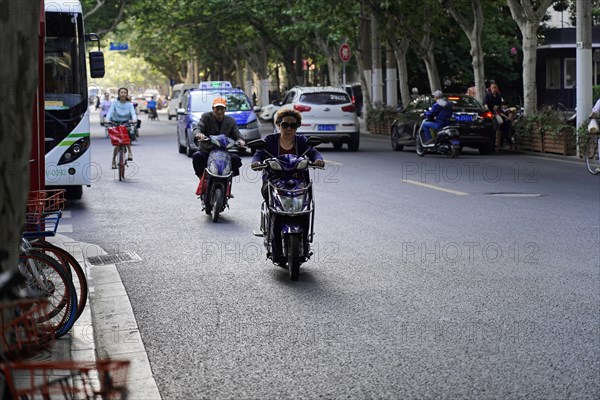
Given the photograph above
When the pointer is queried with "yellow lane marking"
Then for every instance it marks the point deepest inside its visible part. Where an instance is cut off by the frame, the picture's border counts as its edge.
(441, 189)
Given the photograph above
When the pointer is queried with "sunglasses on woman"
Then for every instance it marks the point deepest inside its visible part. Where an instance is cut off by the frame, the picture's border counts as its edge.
(286, 125)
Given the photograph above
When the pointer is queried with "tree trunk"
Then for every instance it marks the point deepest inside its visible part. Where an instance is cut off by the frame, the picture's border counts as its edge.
(333, 65)
(19, 75)
(529, 66)
(431, 67)
(377, 78)
(400, 49)
(528, 21)
(391, 77)
(473, 31)
(257, 60)
(363, 59)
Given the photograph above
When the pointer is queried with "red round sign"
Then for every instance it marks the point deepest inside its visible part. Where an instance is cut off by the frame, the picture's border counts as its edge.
(345, 52)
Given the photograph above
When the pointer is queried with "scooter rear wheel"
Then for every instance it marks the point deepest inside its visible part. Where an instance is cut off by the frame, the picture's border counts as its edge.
(453, 153)
(419, 147)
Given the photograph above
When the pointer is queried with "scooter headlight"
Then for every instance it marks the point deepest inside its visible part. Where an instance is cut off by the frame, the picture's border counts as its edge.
(302, 164)
(218, 167)
(290, 203)
(274, 165)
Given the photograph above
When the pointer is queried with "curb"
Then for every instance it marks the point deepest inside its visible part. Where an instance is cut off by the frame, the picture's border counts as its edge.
(107, 328)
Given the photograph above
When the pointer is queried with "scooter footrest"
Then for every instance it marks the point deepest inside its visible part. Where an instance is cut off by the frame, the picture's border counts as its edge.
(257, 233)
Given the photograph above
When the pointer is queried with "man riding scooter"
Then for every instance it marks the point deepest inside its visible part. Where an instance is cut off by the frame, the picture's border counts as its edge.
(437, 116)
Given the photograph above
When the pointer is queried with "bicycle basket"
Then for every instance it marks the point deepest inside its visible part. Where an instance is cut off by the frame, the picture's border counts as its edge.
(46, 200)
(119, 135)
(22, 333)
(103, 379)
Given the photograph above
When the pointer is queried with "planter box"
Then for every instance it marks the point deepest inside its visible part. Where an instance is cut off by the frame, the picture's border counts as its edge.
(563, 144)
(380, 127)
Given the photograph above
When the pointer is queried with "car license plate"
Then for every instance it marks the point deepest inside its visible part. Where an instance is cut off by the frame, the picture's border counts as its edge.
(326, 127)
(463, 117)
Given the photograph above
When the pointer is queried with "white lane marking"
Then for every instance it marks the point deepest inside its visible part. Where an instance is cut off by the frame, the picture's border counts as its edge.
(441, 189)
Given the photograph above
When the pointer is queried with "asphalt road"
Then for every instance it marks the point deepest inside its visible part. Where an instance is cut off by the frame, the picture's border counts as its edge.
(475, 277)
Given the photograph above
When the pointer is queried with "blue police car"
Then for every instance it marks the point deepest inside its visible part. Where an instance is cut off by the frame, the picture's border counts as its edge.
(198, 101)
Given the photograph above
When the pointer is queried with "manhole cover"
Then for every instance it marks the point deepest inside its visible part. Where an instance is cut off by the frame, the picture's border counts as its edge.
(118, 258)
(512, 194)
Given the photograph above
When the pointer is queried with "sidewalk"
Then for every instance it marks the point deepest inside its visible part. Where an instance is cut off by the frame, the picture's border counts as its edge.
(107, 328)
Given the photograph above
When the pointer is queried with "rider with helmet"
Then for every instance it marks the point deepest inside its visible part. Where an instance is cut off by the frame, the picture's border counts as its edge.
(437, 116)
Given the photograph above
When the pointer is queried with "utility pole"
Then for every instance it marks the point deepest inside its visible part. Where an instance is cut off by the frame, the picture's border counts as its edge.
(583, 61)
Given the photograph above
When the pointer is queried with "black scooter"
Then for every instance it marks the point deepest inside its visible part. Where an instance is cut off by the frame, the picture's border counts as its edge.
(446, 142)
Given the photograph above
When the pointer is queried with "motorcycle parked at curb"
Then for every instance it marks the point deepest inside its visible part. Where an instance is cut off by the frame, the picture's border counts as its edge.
(214, 188)
(446, 142)
(287, 217)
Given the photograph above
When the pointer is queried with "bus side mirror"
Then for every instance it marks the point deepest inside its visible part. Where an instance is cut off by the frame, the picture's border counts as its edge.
(96, 64)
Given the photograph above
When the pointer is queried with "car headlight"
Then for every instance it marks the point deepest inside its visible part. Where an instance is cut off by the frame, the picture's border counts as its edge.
(252, 125)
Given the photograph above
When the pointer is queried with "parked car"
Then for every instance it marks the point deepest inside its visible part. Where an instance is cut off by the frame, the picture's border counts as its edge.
(327, 112)
(197, 101)
(268, 112)
(354, 90)
(145, 98)
(178, 91)
(473, 120)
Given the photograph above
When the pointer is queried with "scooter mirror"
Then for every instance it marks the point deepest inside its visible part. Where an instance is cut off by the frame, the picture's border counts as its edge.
(314, 141)
(256, 144)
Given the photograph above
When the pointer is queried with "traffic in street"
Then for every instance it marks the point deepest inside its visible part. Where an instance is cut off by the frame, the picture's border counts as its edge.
(431, 277)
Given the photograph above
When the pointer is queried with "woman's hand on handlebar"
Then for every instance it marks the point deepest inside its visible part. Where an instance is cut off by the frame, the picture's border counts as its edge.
(319, 163)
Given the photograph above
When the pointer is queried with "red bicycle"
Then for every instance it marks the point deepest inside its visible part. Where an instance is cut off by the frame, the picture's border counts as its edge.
(120, 137)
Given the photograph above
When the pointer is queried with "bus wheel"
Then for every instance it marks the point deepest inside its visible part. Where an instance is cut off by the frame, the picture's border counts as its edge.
(74, 192)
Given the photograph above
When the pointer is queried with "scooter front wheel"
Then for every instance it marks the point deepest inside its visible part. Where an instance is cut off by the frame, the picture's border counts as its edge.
(217, 204)
(293, 256)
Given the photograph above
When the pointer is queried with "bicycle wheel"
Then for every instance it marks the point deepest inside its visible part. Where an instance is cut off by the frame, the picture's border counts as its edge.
(121, 163)
(71, 266)
(592, 160)
(45, 278)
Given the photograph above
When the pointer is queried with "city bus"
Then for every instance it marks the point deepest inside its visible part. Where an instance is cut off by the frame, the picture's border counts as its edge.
(68, 161)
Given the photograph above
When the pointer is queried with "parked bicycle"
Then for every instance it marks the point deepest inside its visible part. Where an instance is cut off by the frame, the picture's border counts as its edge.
(46, 276)
(23, 336)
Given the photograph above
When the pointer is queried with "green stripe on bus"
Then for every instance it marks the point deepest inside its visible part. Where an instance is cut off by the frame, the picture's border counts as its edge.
(72, 138)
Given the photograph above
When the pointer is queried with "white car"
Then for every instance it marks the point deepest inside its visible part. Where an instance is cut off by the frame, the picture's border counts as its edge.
(178, 91)
(327, 113)
(268, 112)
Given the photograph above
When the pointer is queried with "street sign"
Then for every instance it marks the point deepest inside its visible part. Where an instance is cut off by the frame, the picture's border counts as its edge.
(118, 46)
(345, 52)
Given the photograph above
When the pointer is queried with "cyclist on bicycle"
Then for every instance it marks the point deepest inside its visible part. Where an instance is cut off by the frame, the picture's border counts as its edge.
(122, 111)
